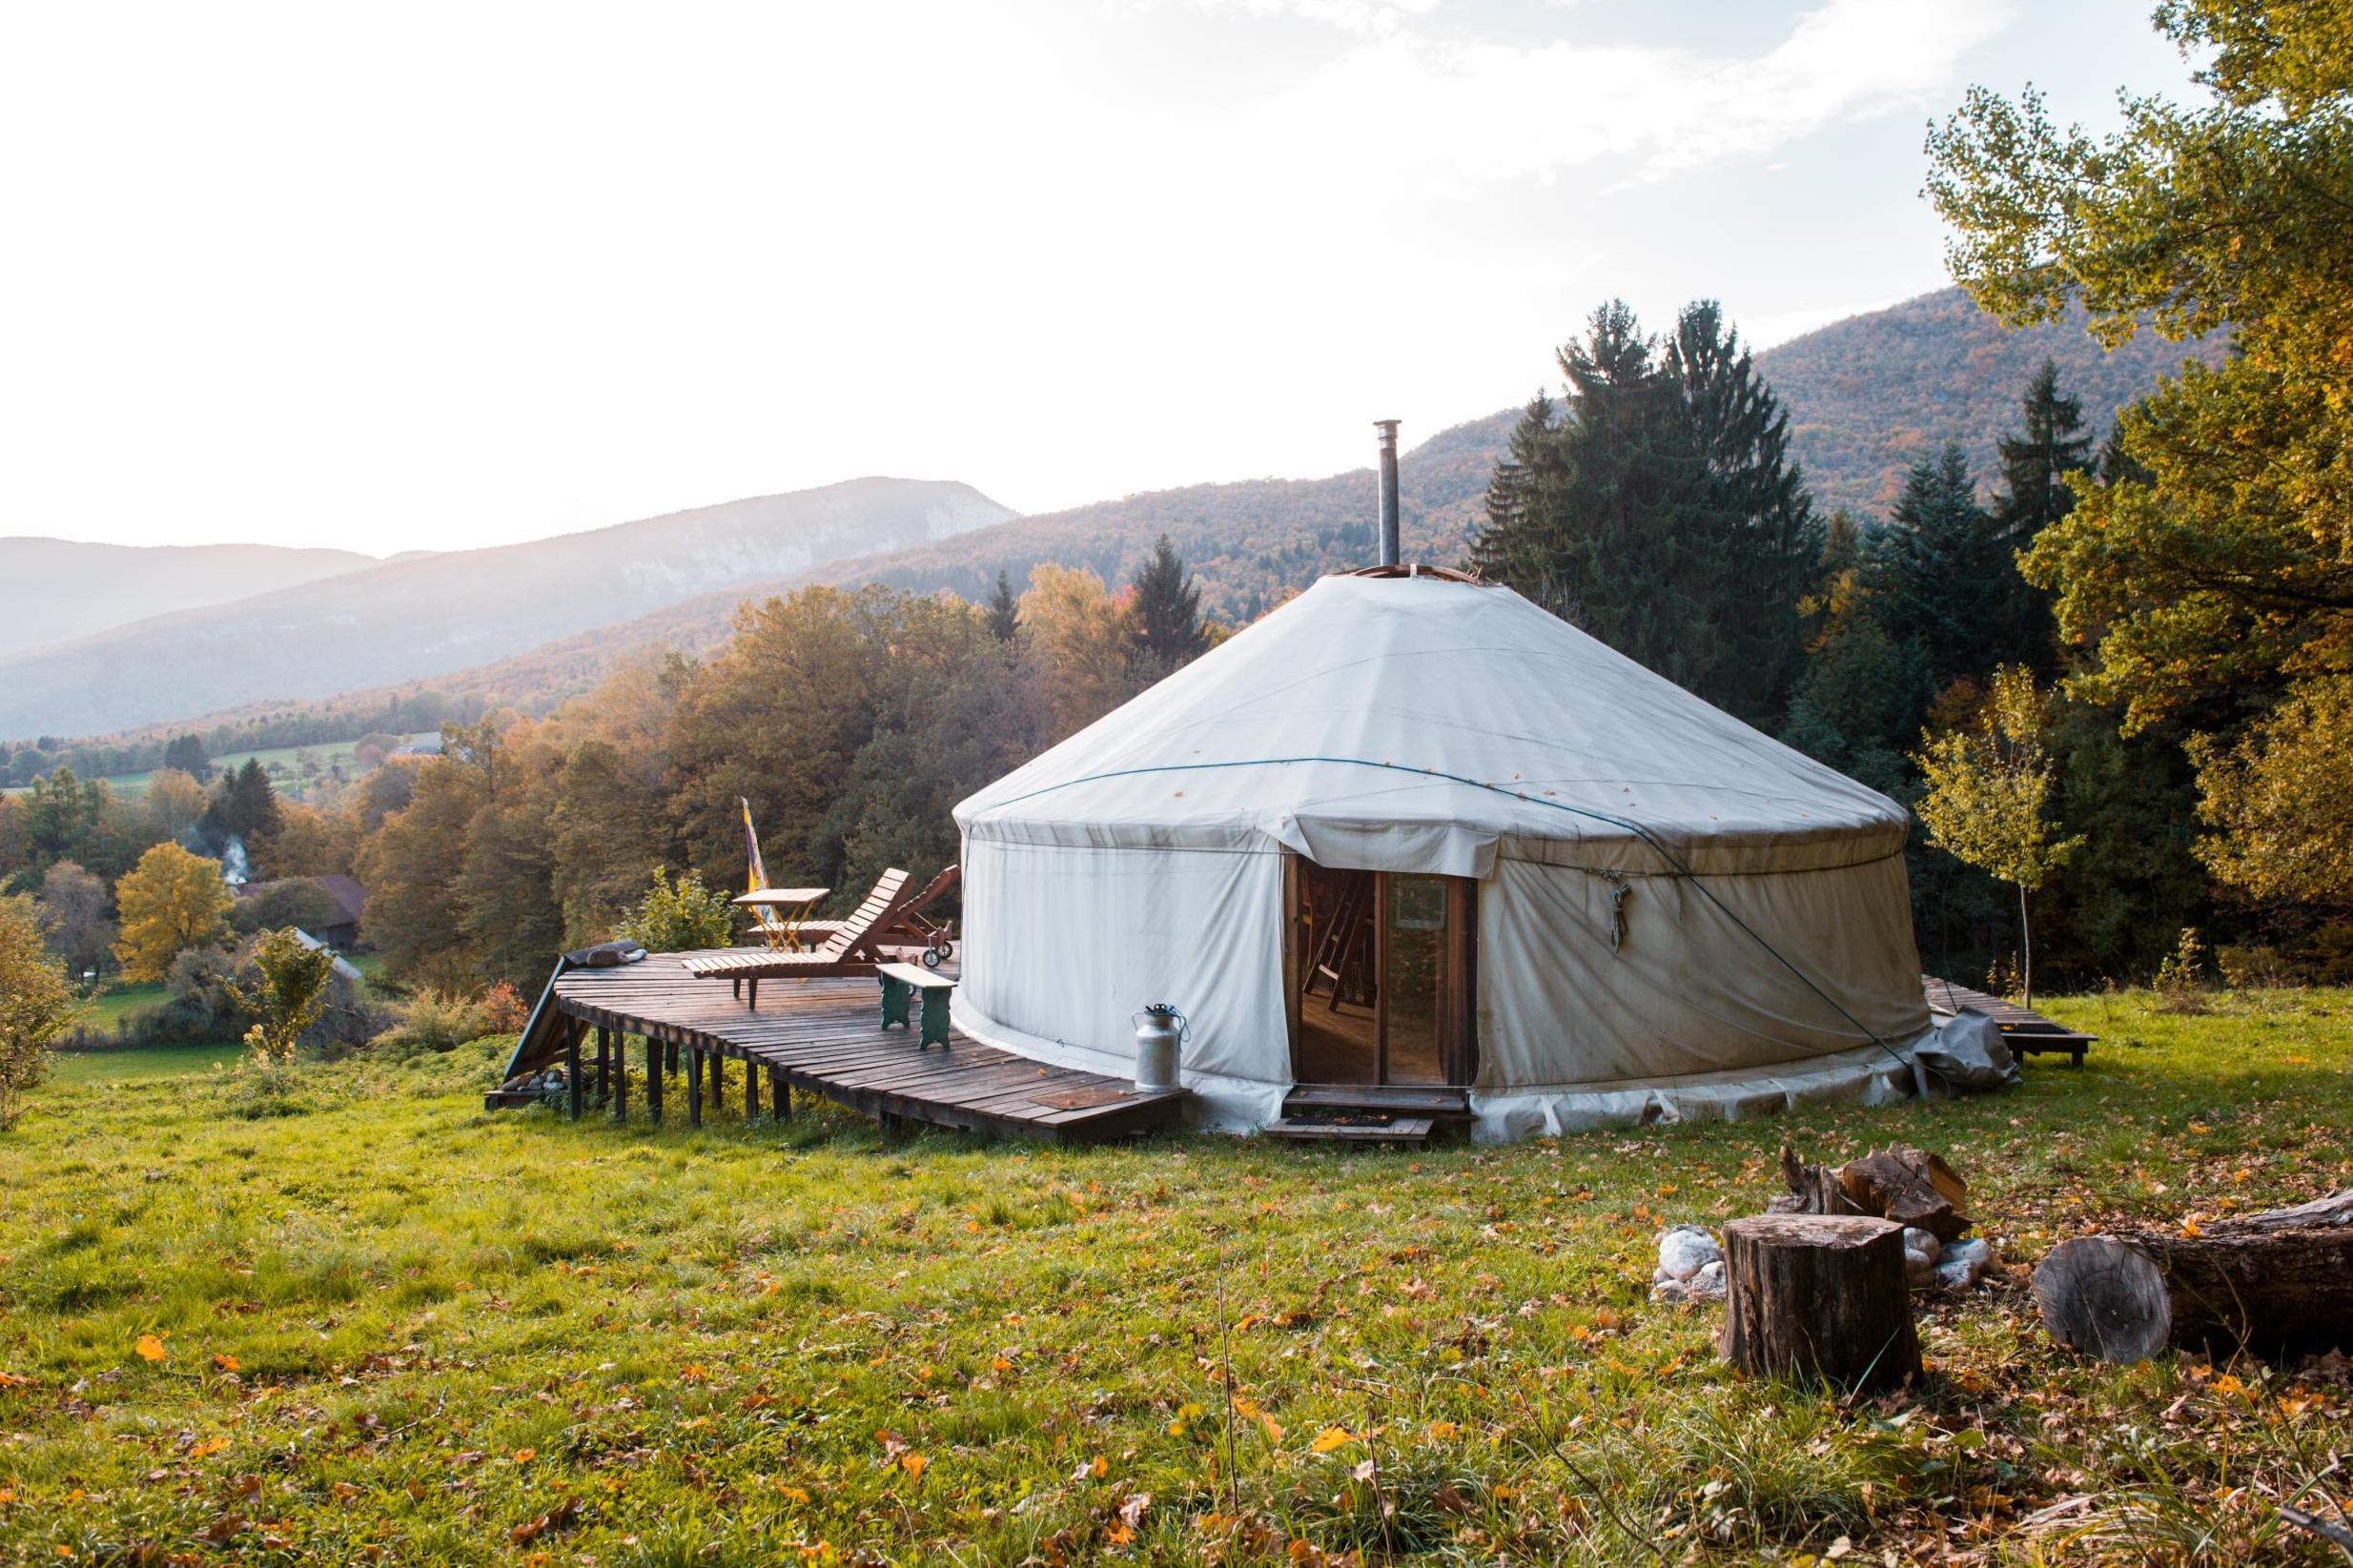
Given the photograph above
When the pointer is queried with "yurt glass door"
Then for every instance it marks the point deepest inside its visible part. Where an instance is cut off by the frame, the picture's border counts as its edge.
(1382, 977)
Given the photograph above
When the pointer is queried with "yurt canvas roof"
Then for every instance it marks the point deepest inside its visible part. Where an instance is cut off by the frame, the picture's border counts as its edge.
(1426, 725)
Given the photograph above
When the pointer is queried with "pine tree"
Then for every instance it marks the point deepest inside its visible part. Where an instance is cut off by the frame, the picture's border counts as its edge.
(1603, 514)
(2035, 493)
(244, 806)
(1004, 609)
(186, 753)
(1765, 540)
(1167, 612)
(1939, 570)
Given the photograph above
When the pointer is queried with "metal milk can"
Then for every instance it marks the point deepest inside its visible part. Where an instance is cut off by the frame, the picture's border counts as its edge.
(1160, 1032)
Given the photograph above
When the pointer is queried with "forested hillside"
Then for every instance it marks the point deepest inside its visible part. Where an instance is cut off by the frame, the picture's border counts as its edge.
(1872, 395)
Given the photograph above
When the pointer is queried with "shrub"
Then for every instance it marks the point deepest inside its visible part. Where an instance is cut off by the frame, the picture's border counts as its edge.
(292, 990)
(504, 1008)
(432, 1021)
(680, 916)
(2181, 979)
(35, 1004)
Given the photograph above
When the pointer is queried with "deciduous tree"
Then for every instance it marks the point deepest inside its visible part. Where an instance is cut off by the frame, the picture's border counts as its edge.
(1987, 790)
(36, 1006)
(172, 901)
(2211, 575)
(287, 997)
(73, 912)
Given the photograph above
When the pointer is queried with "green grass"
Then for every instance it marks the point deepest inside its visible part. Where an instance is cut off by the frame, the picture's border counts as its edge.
(135, 1064)
(284, 763)
(399, 1328)
(120, 1001)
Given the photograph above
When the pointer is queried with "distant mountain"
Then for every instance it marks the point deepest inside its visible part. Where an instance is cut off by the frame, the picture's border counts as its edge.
(404, 621)
(51, 589)
(1870, 395)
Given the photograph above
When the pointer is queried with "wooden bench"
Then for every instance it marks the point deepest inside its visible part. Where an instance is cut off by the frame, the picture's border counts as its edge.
(900, 984)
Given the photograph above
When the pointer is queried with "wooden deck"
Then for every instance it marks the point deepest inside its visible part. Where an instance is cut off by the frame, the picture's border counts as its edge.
(2023, 1030)
(824, 1037)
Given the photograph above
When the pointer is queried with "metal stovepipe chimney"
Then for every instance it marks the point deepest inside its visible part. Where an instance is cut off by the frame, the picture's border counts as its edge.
(1388, 491)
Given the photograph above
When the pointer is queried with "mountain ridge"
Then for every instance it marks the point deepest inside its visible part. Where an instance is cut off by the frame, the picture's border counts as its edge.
(399, 622)
(56, 590)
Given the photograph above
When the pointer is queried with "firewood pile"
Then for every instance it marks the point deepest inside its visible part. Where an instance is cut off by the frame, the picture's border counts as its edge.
(1910, 1187)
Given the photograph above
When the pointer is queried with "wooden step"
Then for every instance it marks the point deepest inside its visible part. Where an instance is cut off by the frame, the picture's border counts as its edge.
(1436, 1101)
(1390, 1132)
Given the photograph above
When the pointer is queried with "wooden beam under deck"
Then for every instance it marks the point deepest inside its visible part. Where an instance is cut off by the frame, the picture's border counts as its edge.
(825, 1036)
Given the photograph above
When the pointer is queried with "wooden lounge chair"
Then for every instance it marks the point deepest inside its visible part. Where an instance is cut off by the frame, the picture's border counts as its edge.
(908, 929)
(852, 948)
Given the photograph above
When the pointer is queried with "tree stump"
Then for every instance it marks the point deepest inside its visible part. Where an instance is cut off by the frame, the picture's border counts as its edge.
(1819, 1295)
(2267, 1283)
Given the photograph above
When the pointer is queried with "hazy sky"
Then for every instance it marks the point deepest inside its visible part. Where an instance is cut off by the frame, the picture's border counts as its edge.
(424, 276)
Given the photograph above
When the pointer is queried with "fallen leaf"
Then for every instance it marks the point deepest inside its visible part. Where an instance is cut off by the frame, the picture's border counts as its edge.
(1330, 1438)
(206, 1449)
(151, 1348)
(226, 1363)
(912, 1464)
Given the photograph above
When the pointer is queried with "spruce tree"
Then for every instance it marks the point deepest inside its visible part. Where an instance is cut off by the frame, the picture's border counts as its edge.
(1765, 540)
(1004, 610)
(1167, 611)
(2035, 493)
(1940, 572)
(1658, 511)
(186, 753)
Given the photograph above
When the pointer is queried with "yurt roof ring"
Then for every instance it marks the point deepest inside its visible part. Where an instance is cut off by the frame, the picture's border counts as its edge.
(1674, 862)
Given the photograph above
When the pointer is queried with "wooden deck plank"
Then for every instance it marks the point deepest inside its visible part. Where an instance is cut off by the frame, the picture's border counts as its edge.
(825, 1036)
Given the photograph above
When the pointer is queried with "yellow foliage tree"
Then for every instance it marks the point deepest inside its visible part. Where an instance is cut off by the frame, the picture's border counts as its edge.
(1988, 786)
(1078, 637)
(35, 1007)
(170, 902)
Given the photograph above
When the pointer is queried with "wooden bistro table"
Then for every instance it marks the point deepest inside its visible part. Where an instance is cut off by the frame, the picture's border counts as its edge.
(782, 912)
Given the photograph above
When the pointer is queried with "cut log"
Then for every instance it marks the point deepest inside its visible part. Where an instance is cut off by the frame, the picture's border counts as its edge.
(1910, 1187)
(2104, 1296)
(2269, 1283)
(1819, 1295)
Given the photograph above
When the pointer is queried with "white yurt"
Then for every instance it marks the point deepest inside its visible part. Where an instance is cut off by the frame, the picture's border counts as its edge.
(1413, 834)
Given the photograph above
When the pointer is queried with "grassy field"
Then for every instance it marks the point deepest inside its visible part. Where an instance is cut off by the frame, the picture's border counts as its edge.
(284, 763)
(363, 1321)
(138, 1064)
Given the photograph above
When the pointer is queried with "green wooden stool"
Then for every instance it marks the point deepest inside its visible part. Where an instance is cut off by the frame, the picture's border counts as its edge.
(900, 983)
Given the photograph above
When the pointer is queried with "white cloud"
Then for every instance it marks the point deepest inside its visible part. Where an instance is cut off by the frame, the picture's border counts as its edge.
(1453, 111)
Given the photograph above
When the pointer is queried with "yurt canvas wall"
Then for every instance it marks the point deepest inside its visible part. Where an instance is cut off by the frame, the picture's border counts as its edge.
(1427, 726)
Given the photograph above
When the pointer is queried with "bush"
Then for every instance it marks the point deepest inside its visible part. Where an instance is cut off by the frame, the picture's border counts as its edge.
(288, 997)
(429, 1021)
(36, 1003)
(677, 917)
(504, 1008)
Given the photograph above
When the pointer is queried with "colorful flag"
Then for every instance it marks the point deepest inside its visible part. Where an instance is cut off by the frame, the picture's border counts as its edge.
(758, 877)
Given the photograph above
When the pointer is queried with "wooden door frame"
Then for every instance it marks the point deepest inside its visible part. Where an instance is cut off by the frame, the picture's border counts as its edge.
(1458, 1035)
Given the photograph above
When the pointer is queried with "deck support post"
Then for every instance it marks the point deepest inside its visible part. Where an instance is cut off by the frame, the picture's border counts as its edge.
(751, 1092)
(604, 1064)
(621, 1078)
(694, 1087)
(670, 1054)
(653, 1079)
(717, 1065)
(779, 1095)
(572, 1086)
